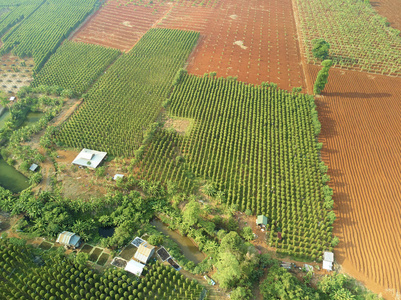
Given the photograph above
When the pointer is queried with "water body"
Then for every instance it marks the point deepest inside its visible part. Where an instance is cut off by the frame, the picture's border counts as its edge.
(106, 231)
(11, 179)
(32, 117)
(4, 118)
(187, 247)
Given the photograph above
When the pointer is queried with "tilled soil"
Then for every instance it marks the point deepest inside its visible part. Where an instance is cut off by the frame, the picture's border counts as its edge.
(361, 135)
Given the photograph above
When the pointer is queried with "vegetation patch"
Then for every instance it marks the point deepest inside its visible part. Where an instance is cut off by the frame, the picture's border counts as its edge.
(128, 98)
(366, 42)
(75, 66)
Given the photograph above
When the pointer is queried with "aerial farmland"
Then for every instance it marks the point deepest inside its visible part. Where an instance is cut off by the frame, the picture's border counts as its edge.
(200, 149)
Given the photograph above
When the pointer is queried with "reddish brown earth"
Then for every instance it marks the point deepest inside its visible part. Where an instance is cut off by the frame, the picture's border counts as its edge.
(118, 25)
(361, 134)
(254, 40)
(390, 9)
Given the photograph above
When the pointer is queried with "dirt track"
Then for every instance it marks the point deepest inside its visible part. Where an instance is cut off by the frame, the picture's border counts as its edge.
(361, 134)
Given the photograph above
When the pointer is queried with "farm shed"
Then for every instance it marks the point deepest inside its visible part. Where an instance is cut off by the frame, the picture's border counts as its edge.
(11, 99)
(134, 267)
(70, 239)
(261, 220)
(89, 158)
(328, 259)
(327, 265)
(33, 167)
(144, 252)
(118, 176)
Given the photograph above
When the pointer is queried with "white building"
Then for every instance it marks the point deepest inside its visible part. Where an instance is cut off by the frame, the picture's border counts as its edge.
(328, 260)
(89, 158)
(134, 267)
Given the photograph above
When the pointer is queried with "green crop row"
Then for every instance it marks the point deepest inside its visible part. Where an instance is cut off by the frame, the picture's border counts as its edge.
(56, 277)
(125, 100)
(75, 66)
(40, 34)
(359, 38)
(257, 146)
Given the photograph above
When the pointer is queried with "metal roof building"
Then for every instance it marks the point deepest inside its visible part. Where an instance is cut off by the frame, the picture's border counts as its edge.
(328, 260)
(33, 167)
(69, 239)
(89, 158)
(261, 220)
(134, 267)
(118, 176)
(144, 252)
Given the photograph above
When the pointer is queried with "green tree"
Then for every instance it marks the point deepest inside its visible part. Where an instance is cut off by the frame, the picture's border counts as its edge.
(320, 49)
(247, 233)
(322, 76)
(190, 215)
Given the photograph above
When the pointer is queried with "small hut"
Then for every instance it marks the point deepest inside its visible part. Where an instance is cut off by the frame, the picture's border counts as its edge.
(261, 221)
(33, 167)
(69, 239)
(328, 260)
(134, 267)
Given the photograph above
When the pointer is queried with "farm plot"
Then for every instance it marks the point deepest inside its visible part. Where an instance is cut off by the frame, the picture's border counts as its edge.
(125, 100)
(256, 41)
(120, 24)
(41, 34)
(390, 9)
(75, 66)
(256, 146)
(27, 279)
(15, 73)
(361, 133)
(16, 12)
(366, 43)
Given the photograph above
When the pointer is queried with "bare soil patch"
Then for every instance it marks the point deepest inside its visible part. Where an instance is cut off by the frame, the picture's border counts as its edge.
(120, 24)
(180, 125)
(361, 127)
(390, 9)
(269, 49)
(15, 73)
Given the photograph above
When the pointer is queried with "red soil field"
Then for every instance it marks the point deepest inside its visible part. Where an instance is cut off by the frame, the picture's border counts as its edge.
(120, 26)
(254, 40)
(390, 9)
(361, 135)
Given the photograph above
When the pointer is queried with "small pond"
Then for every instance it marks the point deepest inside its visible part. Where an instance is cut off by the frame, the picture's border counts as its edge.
(4, 118)
(186, 245)
(32, 117)
(11, 179)
(106, 231)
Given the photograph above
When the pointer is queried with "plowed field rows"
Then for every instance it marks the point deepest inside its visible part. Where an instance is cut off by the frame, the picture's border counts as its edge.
(120, 26)
(390, 9)
(361, 133)
(253, 40)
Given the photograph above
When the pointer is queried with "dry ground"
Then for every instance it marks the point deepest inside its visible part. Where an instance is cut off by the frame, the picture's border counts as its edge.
(361, 134)
(15, 73)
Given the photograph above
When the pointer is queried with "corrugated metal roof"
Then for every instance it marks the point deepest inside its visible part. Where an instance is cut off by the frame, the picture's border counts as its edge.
(33, 167)
(261, 219)
(144, 252)
(68, 238)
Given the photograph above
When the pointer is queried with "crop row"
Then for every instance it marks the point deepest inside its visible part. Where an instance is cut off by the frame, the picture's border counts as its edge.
(125, 100)
(75, 66)
(366, 43)
(258, 146)
(40, 34)
(56, 277)
(14, 14)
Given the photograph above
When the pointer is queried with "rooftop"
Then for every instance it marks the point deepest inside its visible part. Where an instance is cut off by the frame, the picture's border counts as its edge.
(89, 158)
